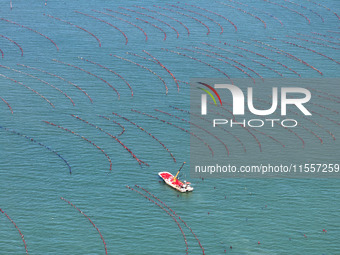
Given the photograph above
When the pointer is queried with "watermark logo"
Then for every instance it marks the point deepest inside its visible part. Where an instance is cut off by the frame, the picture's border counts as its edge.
(239, 103)
(238, 99)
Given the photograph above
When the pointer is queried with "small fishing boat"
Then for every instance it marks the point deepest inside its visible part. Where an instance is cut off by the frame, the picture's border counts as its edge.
(172, 181)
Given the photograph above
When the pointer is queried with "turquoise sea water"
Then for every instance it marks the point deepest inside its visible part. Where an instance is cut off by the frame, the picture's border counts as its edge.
(287, 216)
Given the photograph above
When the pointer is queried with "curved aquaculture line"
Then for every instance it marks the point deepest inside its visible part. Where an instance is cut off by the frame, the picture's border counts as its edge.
(171, 124)
(130, 61)
(112, 136)
(45, 82)
(149, 16)
(124, 20)
(100, 44)
(317, 124)
(241, 10)
(325, 93)
(164, 15)
(191, 17)
(181, 54)
(328, 9)
(174, 213)
(179, 226)
(245, 57)
(57, 76)
(82, 137)
(87, 217)
(110, 70)
(219, 15)
(191, 123)
(235, 61)
(101, 20)
(15, 225)
(7, 104)
(9, 39)
(313, 42)
(20, 83)
(303, 47)
(326, 36)
(12, 22)
(292, 10)
(263, 56)
(133, 123)
(251, 133)
(2, 53)
(34, 141)
(81, 69)
(202, 15)
(120, 125)
(238, 68)
(284, 53)
(317, 38)
(155, 26)
(198, 116)
(163, 66)
(304, 7)
(269, 14)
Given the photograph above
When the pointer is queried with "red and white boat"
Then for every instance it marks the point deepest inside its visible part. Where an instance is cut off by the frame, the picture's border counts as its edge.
(172, 181)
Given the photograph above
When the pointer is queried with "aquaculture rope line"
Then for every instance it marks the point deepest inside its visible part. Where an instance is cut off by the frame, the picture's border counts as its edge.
(149, 16)
(179, 226)
(133, 123)
(87, 217)
(34, 141)
(9, 39)
(208, 132)
(82, 137)
(110, 70)
(15, 225)
(202, 15)
(128, 60)
(126, 148)
(8, 105)
(45, 82)
(59, 77)
(120, 125)
(27, 87)
(164, 15)
(100, 44)
(175, 215)
(81, 69)
(190, 113)
(171, 124)
(159, 63)
(101, 20)
(124, 20)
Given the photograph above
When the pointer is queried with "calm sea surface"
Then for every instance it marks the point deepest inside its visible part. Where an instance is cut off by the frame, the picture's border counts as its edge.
(254, 216)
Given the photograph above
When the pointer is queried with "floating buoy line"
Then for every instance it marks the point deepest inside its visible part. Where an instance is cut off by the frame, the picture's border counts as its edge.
(57, 76)
(36, 142)
(88, 218)
(140, 162)
(8, 105)
(82, 137)
(185, 130)
(12, 41)
(141, 66)
(101, 20)
(15, 225)
(124, 20)
(17, 24)
(27, 87)
(67, 22)
(85, 71)
(135, 124)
